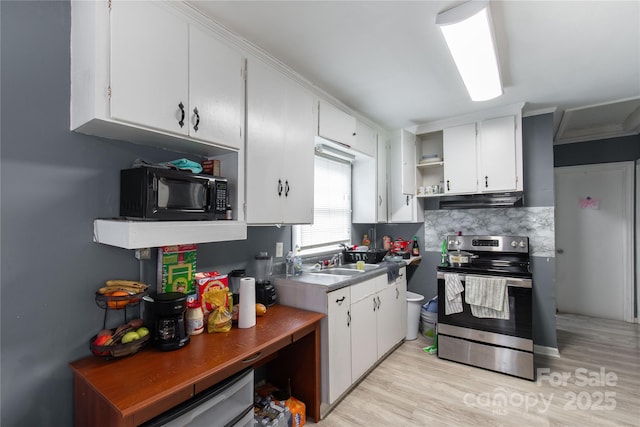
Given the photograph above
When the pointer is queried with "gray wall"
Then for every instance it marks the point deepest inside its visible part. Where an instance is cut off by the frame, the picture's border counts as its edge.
(610, 150)
(537, 139)
(53, 184)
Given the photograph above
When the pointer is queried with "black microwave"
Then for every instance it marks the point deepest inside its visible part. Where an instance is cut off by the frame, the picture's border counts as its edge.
(167, 194)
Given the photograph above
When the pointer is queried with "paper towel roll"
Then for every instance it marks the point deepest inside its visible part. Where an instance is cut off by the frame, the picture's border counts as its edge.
(247, 309)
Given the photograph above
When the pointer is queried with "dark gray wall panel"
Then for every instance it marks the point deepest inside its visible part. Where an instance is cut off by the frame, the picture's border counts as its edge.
(537, 149)
(601, 151)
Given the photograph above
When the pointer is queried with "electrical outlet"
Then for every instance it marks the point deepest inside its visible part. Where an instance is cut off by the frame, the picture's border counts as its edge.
(143, 253)
(279, 249)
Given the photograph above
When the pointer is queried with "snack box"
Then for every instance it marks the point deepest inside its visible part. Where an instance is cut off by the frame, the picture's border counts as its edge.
(207, 284)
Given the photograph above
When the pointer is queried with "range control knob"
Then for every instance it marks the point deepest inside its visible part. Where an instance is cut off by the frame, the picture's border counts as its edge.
(514, 244)
(522, 244)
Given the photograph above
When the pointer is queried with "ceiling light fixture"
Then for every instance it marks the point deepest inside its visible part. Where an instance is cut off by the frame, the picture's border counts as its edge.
(468, 33)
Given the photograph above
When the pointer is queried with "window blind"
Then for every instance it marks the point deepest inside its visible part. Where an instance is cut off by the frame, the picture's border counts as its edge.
(332, 207)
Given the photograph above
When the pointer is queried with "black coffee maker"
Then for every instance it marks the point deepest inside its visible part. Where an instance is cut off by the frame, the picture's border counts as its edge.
(164, 316)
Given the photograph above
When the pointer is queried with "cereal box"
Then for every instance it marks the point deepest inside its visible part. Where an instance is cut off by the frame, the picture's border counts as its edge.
(213, 290)
(176, 270)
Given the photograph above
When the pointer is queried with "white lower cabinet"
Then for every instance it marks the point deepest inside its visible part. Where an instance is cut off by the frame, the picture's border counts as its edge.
(339, 335)
(392, 304)
(364, 321)
(364, 342)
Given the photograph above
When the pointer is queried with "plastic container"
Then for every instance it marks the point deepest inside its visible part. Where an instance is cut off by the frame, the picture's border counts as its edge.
(414, 304)
(194, 320)
(429, 318)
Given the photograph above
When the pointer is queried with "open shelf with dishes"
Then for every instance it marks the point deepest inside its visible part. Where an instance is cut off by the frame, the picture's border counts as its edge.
(429, 165)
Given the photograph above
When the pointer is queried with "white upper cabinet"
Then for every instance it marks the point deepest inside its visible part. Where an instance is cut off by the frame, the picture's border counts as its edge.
(336, 125)
(280, 148)
(146, 72)
(216, 90)
(460, 160)
(382, 159)
(149, 66)
(403, 205)
(497, 160)
(366, 139)
(408, 159)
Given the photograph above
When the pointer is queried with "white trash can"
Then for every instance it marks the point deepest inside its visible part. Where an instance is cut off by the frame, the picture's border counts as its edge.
(414, 304)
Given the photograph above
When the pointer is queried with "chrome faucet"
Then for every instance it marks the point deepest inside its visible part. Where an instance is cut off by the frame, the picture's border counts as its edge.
(336, 260)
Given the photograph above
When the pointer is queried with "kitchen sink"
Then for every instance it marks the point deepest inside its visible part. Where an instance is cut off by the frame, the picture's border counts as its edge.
(367, 267)
(339, 271)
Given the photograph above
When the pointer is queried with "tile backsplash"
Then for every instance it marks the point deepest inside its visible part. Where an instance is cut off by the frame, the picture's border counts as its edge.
(537, 223)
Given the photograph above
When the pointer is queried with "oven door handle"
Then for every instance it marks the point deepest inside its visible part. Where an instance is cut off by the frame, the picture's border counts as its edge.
(514, 282)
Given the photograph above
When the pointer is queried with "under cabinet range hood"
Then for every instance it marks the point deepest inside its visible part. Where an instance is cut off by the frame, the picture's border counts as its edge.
(513, 199)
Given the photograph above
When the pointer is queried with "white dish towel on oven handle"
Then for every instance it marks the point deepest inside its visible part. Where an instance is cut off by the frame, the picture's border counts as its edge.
(488, 297)
(453, 293)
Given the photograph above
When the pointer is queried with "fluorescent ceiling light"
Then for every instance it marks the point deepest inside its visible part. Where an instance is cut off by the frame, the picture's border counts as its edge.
(328, 151)
(467, 30)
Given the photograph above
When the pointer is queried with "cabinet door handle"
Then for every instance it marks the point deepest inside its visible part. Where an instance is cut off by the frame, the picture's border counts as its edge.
(486, 182)
(448, 186)
(181, 107)
(348, 317)
(407, 200)
(379, 200)
(279, 187)
(379, 303)
(286, 188)
(375, 305)
(251, 359)
(340, 300)
(397, 293)
(195, 111)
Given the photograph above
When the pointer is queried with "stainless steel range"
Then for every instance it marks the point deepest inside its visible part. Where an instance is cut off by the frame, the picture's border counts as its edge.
(485, 304)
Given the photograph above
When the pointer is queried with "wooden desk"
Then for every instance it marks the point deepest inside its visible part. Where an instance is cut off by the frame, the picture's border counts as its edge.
(134, 389)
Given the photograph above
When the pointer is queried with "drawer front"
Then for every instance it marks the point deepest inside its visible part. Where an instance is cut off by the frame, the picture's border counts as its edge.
(338, 299)
(250, 360)
(362, 290)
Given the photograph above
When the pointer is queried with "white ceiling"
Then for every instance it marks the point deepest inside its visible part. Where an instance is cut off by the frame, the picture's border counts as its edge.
(388, 60)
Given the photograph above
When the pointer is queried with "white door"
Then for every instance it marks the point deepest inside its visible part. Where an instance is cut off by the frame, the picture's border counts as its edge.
(149, 66)
(265, 144)
(460, 162)
(216, 90)
(298, 157)
(339, 337)
(594, 232)
(381, 160)
(497, 154)
(363, 336)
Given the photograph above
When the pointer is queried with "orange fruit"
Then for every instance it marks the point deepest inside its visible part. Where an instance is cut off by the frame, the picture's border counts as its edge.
(117, 303)
(260, 309)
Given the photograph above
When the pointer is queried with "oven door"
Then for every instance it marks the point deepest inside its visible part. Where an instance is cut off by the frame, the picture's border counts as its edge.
(518, 325)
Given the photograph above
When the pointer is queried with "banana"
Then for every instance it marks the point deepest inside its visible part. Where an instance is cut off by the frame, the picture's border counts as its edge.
(131, 283)
(123, 285)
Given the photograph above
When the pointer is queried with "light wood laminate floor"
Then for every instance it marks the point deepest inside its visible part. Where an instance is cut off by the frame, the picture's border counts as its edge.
(594, 382)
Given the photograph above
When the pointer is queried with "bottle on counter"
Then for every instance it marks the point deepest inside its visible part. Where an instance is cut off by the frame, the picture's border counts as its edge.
(415, 250)
(443, 259)
(194, 320)
(365, 240)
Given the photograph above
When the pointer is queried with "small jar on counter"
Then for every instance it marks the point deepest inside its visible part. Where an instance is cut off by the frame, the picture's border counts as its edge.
(194, 320)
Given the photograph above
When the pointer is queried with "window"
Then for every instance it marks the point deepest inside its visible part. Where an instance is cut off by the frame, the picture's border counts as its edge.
(332, 208)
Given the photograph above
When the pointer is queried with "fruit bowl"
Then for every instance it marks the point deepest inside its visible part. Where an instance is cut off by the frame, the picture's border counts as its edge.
(119, 300)
(117, 350)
